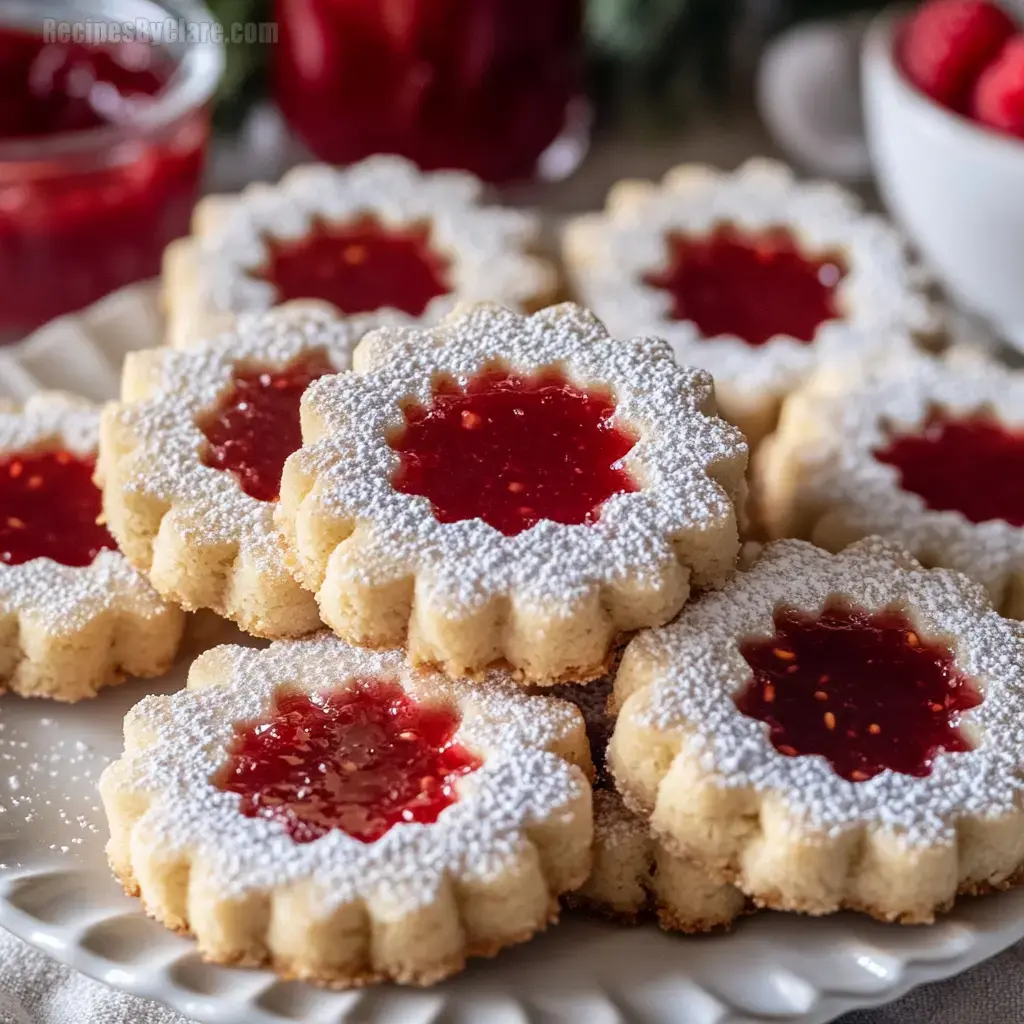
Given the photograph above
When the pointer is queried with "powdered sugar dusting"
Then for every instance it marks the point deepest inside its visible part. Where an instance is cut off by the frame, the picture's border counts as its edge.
(60, 599)
(521, 785)
(680, 514)
(698, 667)
(56, 767)
(592, 701)
(882, 294)
(209, 505)
(617, 828)
(488, 246)
(839, 475)
(50, 419)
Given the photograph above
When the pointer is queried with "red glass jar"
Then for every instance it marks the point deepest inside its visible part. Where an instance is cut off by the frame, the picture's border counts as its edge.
(103, 137)
(488, 86)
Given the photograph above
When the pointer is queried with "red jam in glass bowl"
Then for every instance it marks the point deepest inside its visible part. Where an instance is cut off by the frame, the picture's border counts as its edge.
(102, 147)
(480, 85)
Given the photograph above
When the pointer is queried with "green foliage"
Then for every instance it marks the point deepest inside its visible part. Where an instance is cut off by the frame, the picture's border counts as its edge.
(653, 57)
(245, 73)
(632, 31)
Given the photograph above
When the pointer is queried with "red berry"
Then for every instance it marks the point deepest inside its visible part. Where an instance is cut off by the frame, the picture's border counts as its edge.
(948, 43)
(999, 95)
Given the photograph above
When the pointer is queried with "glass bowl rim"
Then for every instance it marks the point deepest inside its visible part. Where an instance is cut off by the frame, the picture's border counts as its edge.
(192, 85)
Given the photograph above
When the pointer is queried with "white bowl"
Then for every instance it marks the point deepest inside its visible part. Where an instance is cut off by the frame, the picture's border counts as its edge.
(956, 187)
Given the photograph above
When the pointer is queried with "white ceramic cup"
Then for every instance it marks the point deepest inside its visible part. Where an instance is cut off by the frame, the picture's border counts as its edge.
(956, 187)
(809, 99)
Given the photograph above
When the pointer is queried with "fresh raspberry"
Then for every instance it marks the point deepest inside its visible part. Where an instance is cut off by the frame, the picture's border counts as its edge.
(948, 43)
(999, 95)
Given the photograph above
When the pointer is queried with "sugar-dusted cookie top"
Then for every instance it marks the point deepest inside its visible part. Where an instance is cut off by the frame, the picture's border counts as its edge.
(751, 274)
(833, 730)
(926, 452)
(192, 458)
(398, 820)
(380, 241)
(82, 617)
(509, 487)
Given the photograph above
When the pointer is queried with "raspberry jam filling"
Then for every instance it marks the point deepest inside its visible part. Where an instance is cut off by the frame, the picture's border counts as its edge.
(481, 85)
(81, 217)
(513, 450)
(359, 267)
(361, 759)
(973, 466)
(50, 508)
(255, 426)
(754, 287)
(49, 88)
(860, 688)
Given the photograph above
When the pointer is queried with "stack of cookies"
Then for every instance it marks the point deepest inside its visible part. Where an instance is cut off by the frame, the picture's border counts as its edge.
(519, 653)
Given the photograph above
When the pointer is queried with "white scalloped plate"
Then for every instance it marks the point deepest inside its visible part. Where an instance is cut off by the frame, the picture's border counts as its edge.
(56, 893)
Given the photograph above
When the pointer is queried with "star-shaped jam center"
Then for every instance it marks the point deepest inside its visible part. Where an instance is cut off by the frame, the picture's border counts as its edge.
(359, 266)
(973, 465)
(362, 759)
(50, 508)
(751, 286)
(513, 450)
(860, 688)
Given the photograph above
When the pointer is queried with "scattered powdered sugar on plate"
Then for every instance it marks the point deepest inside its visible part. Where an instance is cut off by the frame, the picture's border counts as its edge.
(41, 785)
(698, 668)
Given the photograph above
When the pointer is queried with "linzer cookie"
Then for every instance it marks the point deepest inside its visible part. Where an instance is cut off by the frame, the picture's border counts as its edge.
(76, 616)
(633, 872)
(380, 241)
(832, 731)
(929, 453)
(510, 489)
(751, 275)
(347, 819)
(192, 458)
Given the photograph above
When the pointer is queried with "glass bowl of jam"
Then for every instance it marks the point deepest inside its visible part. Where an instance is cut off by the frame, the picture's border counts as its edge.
(104, 128)
(494, 87)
